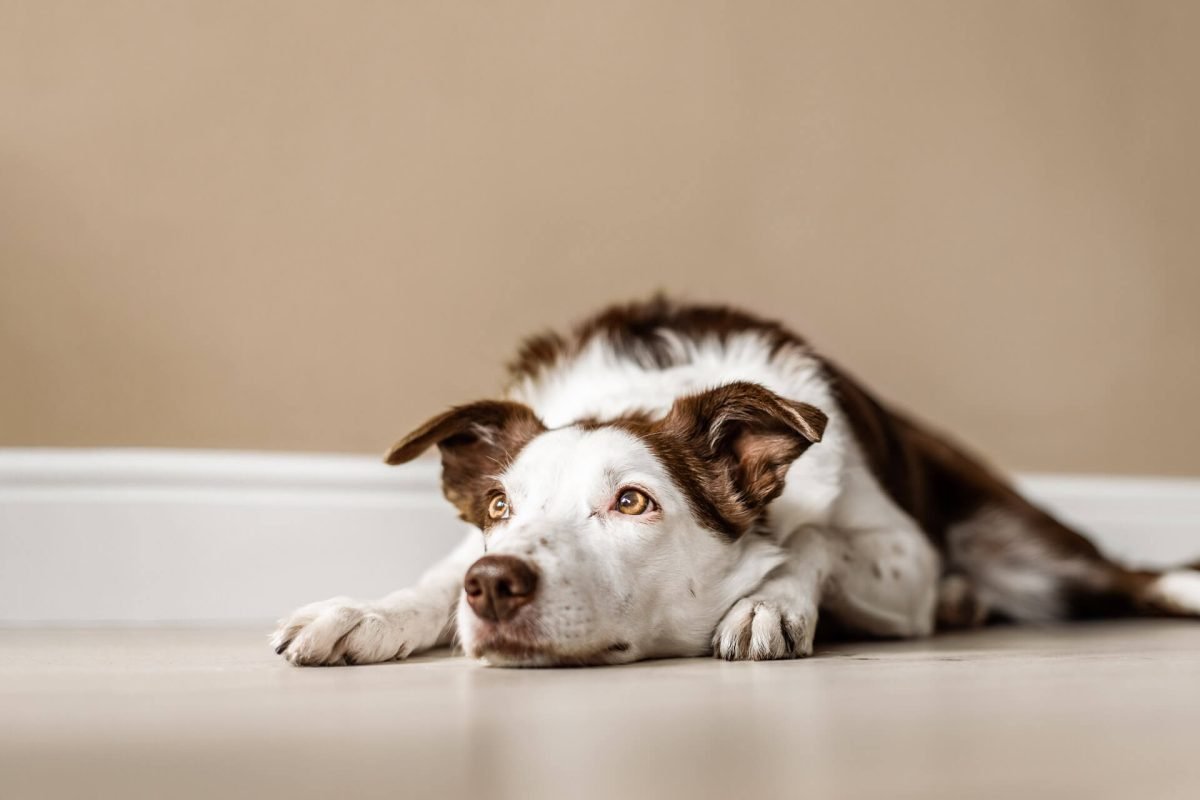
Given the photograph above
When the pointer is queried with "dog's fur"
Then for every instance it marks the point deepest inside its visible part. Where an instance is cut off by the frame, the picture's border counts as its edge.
(882, 525)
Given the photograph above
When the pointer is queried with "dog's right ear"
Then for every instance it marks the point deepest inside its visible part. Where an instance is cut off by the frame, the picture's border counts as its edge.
(477, 441)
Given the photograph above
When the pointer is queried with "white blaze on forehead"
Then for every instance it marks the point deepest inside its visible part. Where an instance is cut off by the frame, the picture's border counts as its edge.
(576, 466)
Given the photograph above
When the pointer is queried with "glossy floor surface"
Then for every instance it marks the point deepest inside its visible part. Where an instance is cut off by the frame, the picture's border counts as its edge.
(1096, 711)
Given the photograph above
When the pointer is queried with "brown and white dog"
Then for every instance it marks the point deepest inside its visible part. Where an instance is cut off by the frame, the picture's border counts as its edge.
(627, 500)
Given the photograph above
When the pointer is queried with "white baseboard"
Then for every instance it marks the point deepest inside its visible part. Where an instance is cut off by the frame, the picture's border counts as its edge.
(145, 535)
(159, 535)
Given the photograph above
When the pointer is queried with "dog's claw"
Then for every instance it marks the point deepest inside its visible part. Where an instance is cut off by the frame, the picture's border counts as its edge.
(758, 630)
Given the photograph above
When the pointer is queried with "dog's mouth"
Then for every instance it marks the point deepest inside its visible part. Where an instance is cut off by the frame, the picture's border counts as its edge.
(515, 646)
(520, 649)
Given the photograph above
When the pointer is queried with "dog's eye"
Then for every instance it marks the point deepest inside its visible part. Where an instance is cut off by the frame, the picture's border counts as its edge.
(498, 508)
(634, 502)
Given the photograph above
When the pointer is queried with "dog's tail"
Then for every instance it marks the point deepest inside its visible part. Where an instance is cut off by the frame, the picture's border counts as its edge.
(1174, 593)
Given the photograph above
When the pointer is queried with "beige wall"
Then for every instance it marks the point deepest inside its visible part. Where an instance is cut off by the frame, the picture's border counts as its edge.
(308, 225)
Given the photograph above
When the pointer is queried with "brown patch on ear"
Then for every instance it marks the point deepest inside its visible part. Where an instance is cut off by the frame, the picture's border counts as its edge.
(729, 448)
(477, 442)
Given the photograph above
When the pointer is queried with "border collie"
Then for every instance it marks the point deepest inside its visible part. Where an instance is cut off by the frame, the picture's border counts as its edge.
(677, 480)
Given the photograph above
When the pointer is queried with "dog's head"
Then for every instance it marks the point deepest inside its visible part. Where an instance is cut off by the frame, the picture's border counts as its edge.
(609, 542)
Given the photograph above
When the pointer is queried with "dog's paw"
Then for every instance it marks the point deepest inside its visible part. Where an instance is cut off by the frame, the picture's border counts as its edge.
(757, 629)
(343, 631)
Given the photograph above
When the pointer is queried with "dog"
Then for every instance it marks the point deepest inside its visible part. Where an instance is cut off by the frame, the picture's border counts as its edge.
(682, 480)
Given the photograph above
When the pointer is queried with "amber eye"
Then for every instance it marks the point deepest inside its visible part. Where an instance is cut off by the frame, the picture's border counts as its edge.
(633, 502)
(498, 507)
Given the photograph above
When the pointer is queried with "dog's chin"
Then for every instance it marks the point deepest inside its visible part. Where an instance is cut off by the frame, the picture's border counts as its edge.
(498, 647)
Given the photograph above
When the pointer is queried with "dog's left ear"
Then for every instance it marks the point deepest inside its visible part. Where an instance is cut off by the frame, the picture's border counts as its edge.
(477, 442)
(747, 436)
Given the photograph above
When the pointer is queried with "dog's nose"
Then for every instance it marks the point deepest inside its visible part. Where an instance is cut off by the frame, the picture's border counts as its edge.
(499, 585)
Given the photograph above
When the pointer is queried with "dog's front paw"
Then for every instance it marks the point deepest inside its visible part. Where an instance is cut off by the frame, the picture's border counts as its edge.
(760, 630)
(344, 631)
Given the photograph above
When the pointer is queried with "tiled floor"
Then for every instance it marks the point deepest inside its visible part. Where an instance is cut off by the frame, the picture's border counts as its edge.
(1093, 711)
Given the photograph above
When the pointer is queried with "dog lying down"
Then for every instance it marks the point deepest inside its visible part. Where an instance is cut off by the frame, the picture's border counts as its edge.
(674, 480)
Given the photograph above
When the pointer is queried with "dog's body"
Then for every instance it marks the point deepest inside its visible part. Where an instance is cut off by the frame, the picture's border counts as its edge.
(631, 496)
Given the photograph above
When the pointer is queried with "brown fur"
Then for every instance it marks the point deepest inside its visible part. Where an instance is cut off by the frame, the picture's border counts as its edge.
(635, 331)
(939, 484)
(477, 442)
(729, 448)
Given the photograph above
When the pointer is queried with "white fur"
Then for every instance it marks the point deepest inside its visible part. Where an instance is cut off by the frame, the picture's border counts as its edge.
(655, 584)
(662, 585)
(1177, 592)
(1012, 572)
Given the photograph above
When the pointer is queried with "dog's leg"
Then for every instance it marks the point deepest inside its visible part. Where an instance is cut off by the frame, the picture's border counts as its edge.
(1025, 565)
(871, 567)
(884, 581)
(958, 604)
(780, 618)
(884, 572)
(345, 631)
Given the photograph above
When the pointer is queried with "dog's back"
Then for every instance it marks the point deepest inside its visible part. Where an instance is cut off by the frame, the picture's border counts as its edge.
(1001, 555)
